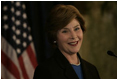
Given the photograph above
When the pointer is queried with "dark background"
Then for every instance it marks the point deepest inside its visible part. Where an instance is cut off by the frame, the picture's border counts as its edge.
(101, 34)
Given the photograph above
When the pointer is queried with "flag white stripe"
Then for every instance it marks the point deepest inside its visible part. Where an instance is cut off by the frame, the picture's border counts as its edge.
(10, 52)
(32, 46)
(28, 66)
(5, 73)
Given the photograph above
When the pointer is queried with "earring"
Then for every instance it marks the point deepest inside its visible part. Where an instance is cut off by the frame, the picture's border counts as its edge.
(54, 41)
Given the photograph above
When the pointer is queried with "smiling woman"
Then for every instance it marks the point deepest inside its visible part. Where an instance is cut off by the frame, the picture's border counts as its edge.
(65, 28)
(69, 40)
(59, 17)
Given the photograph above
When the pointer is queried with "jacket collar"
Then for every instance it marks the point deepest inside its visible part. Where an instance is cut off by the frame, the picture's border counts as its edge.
(68, 70)
(64, 64)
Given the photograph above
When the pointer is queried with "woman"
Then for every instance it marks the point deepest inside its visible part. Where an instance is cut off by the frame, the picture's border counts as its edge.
(65, 28)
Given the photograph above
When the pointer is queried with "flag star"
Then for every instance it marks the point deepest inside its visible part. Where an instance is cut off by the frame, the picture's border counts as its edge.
(24, 35)
(24, 15)
(17, 41)
(13, 18)
(17, 4)
(29, 28)
(24, 25)
(13, 28)
(14, 37)
(18, 13)
(5, 17)
(24, 44)
(12, 9)
(30, 37)
(18, 50)
(23, 6)
(5, 26)
(17, 22)
(17, 32)
(5, 8)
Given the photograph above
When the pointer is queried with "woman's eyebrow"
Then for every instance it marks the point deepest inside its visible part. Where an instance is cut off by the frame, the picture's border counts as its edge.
(73, 27)
(76, 26)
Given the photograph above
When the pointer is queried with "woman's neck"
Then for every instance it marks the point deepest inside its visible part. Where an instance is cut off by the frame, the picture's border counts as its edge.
(72, 58)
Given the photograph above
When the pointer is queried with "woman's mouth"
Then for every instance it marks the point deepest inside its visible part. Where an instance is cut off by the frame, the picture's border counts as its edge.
(73, 43)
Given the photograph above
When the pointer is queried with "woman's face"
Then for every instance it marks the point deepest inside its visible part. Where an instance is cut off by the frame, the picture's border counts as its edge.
(69, 38)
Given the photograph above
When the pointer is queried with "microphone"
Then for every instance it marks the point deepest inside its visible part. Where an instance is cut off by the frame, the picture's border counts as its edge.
(111, 53)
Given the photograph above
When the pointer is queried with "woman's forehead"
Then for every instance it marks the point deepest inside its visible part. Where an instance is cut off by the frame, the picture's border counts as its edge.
(74, 23)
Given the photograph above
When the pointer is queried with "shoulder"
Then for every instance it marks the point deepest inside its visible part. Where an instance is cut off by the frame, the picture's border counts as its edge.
(43, 69)
(88, 65)
(84, 62)
(47, 63)
(90, 70)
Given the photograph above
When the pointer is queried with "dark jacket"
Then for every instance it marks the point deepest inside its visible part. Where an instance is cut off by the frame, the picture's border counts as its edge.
(58, 67)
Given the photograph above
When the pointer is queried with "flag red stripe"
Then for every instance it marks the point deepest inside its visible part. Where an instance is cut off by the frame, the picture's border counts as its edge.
(31, 56)
(10, 66)
(23, 68)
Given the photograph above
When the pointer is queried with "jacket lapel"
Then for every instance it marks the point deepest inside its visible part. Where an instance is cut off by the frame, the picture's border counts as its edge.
(85, 70)
(86, 73)
(70, 73)
(65, 65)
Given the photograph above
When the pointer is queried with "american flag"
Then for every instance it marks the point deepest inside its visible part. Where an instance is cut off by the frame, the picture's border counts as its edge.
(18, 58)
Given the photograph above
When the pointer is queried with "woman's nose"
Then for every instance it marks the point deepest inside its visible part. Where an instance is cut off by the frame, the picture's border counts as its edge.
(73, 35)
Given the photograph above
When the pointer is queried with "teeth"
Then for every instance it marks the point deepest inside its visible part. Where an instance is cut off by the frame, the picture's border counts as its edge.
(73, 43)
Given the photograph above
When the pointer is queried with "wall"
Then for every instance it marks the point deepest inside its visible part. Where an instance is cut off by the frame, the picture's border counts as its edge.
(100, 36)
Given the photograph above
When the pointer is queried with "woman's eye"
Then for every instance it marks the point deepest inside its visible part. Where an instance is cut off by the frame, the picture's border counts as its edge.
(64, 31)
(77, 29)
